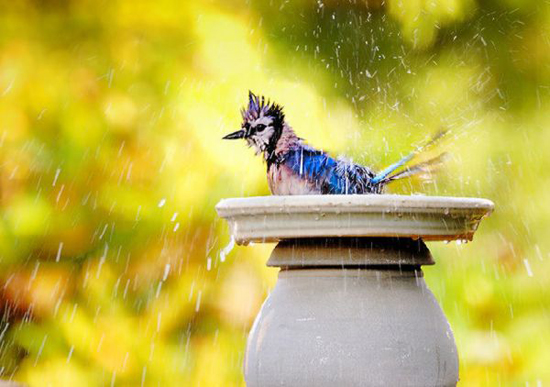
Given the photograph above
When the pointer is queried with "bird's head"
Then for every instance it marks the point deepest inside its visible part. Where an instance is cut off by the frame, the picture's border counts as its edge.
(262, 125)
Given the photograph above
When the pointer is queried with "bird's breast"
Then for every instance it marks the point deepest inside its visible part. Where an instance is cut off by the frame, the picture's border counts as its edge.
(283, 181)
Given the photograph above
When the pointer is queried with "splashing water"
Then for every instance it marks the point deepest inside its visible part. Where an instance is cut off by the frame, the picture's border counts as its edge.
(528, 267)
(227, 249)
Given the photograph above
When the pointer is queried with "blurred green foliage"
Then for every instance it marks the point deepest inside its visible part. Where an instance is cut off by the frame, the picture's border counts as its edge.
(111, 114)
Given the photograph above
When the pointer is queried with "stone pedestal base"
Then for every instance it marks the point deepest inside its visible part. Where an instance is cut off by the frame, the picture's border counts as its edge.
(350, 326)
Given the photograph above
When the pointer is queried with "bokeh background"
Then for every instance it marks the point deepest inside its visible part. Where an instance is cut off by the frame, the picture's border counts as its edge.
(111, 163)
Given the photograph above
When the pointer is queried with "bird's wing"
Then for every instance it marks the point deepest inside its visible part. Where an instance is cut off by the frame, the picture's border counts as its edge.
(349, 179)
(330, 176)
(309, 163)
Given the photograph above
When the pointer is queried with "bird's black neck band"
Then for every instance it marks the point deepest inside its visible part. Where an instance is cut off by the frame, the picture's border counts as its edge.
(272, 146)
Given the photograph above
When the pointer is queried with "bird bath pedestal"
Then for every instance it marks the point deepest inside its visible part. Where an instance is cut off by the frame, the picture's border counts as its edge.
(351, 307)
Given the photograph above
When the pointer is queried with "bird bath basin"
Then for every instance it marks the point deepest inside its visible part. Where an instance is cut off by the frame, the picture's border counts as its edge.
(275, 218)
(351, 306)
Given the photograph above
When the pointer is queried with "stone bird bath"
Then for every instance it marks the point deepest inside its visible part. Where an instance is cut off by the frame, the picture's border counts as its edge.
(351, 307)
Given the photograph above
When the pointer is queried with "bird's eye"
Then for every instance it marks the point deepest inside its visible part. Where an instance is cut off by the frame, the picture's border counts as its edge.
(260, 127)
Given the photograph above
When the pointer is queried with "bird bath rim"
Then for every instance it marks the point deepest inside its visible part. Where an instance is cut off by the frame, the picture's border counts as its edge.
(277, 218)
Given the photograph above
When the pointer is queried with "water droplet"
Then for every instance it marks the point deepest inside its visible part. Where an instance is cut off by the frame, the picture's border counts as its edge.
(227, 249)
(59, 249)
(166, 272)
(528, 267)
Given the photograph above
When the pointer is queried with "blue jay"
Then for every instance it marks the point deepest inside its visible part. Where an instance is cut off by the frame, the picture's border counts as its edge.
(295, 168)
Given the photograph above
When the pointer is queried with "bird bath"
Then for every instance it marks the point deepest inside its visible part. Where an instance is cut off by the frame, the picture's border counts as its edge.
(351, 307)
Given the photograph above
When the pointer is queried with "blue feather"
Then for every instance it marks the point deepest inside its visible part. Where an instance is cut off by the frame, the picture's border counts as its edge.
(386, 172)
(327, 175)
(309, 163)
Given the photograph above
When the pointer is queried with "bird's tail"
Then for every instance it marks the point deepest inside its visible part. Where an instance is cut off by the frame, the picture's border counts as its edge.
(428, 166)
(425, 167)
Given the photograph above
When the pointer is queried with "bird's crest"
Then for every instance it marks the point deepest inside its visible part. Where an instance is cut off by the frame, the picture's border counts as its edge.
(258, 107)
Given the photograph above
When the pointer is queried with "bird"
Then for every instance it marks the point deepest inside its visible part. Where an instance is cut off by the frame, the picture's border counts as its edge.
(296, 168)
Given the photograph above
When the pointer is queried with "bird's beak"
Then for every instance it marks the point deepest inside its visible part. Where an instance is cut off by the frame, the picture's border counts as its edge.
(235, 135)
